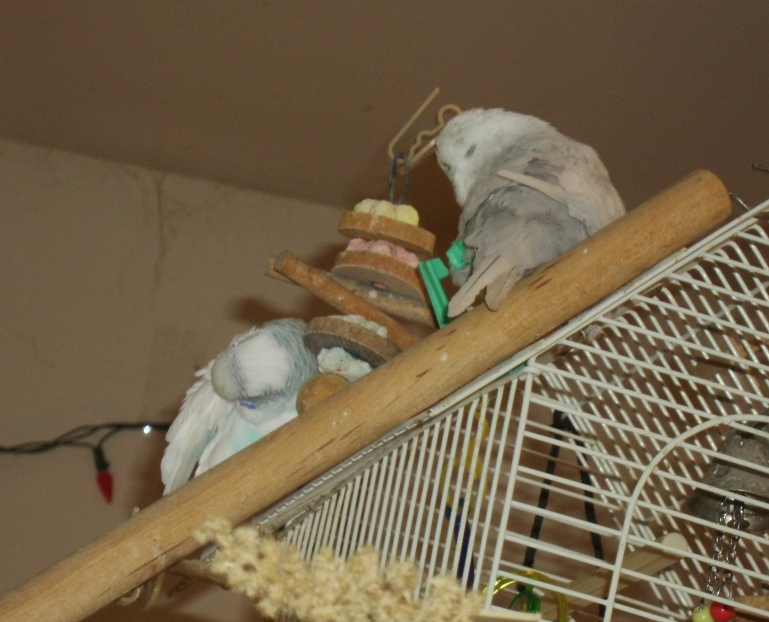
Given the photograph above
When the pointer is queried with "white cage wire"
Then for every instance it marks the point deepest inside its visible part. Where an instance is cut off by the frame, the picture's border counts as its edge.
(576, 456)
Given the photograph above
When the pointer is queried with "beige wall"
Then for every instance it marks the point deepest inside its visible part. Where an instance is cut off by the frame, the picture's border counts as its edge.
(117, 283)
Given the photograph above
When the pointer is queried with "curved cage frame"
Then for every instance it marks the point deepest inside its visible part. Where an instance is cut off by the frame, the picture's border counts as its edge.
(650, 381)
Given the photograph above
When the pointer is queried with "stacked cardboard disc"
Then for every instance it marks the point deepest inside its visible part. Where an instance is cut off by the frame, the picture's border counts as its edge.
(362, 339)
(386, 247)
(384, 253)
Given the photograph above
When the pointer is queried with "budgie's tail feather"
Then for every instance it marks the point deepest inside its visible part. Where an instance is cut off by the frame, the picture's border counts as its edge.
(498, 290)
(491, 270)
(191, 430)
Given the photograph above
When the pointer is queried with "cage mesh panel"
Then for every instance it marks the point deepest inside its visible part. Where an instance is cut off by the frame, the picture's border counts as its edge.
(458, 488)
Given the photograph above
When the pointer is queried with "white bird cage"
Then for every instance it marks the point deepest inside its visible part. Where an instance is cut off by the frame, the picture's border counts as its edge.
(682, 358)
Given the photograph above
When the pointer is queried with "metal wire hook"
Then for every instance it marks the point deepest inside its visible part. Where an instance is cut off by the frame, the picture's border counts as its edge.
(402, 157)
(739, 201)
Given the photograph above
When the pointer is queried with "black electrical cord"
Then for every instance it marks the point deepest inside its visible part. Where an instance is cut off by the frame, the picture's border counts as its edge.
(81, 437)
(78, 437)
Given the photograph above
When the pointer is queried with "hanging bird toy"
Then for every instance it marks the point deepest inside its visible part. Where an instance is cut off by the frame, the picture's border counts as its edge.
(721, 580)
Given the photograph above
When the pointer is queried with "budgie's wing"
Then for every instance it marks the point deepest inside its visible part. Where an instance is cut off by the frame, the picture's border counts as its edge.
(236, 433)
(578, 171)
(515, 231)
(202, 411)
(593, 201)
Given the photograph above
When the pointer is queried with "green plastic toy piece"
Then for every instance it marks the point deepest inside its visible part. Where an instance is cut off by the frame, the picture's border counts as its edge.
(456, 255)
(433, 271)
(530, 601)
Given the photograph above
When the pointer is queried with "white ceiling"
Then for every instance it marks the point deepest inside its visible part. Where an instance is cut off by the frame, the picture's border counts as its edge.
(300, 98)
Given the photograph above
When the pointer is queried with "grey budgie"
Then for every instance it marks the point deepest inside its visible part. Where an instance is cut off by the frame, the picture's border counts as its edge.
(528, 193)
(245, 393)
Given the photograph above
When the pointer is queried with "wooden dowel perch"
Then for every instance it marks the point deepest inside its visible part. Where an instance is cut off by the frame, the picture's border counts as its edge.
(647, 560)
(338, 297)
(303, 449)
(389, 302)
(759, 601)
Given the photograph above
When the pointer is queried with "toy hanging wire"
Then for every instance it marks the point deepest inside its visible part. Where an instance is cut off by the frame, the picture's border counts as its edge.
(739, 201)
(421, 146)
(402, 157)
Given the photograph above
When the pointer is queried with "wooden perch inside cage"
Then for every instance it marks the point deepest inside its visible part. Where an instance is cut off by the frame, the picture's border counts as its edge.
(162, 534)
(647, 560)
(759, 601)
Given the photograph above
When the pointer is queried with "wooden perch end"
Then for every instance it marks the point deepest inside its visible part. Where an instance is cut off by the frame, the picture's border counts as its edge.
(273, 273)
(358, 415)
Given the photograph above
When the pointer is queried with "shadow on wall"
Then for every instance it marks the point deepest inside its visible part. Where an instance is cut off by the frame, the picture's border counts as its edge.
(254, 311)
(145, 476)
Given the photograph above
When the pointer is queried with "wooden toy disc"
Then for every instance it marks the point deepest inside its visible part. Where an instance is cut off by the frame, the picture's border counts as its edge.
(382, 272)
(372, 227)
(331, 332)
(317, 389)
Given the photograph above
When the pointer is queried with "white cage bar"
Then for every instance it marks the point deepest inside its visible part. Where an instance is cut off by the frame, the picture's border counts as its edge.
(644, 388)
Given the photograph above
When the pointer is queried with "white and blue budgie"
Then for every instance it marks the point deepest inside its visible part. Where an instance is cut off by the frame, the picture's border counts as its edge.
(245, 393)
(528, 193)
